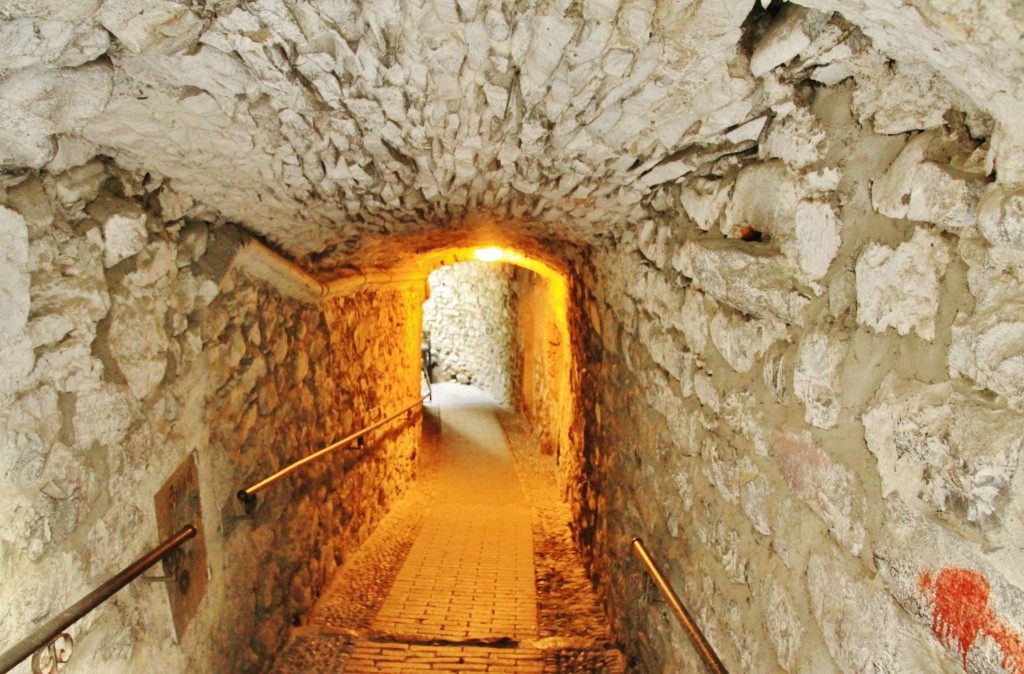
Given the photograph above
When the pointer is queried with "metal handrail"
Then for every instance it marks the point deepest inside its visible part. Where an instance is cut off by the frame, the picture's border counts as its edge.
(430, 389)
(46, 634)
(248, 495)
(700, 642)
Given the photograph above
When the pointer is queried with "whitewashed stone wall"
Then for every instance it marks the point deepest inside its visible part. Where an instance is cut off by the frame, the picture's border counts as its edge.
(469, 317)
(321, 122)
(120, 355)
(817, 426)
(794, 423)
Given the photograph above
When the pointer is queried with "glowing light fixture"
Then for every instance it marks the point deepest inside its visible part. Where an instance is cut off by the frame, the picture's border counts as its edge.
(491, 254)
(446, 256)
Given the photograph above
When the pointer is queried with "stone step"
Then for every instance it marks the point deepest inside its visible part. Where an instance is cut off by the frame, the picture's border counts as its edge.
(323, 650)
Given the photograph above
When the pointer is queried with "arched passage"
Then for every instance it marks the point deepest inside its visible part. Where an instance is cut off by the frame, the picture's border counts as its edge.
(796, 231)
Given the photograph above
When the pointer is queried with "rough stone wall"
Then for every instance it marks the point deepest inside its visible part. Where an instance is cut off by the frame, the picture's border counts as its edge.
(320, 122)
(547, 390)
(540, 352)
(120, 356)
(741, 390)
(469, 317)
(804, 383)
(549, 336)
(353, 362)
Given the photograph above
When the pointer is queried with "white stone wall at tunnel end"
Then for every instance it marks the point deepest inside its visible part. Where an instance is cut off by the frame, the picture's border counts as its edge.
(469, 318)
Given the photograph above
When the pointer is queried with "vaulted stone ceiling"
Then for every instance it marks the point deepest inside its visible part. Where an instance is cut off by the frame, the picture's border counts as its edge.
(324, 124)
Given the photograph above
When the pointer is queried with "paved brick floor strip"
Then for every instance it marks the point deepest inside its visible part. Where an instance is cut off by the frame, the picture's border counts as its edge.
(448, 582)
(470, 572)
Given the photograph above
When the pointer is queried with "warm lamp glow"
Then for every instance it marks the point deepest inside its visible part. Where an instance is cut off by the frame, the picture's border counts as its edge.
(511, 256)
(488, 254)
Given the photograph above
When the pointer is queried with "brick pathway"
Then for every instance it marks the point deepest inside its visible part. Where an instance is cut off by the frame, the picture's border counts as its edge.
(448, 581)
(470, 572)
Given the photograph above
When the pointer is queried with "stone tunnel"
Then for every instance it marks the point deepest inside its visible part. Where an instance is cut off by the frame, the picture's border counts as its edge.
(765, 309)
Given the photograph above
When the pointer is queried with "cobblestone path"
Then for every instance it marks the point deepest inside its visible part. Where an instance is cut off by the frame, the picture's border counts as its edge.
(474, 571)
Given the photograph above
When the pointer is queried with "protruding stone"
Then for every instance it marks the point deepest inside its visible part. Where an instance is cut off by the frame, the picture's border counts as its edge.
(816, 238)
(942, 196)
(785, 628)
(66, 98)
(551, 34)
(138, 325)
(832, 74)
(705, 201)
(988, 341)
(897, 98)
(665, 351)
(853, 612)
(748, 131)
(159, 26)
(798, 139)
(601, 10)
(757, 499)
(917, 188)
(666, 172)
(742, 340)
(138, 340)
(102, 416)
(29, 42)
(52, 9)
(14, 274)
(72, 151)
(942, 451)
(1001, 216)
(890, 194)
(816, 378)
(81, 184)
(654, 241)
(634, 21)
(948, 588)
(694, 320)
(25, 139)
(744, 278)
(124, 235)
(899, 287)
(789, 34)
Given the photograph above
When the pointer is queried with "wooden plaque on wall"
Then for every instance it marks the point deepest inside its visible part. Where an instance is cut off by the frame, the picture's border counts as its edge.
(178, 504)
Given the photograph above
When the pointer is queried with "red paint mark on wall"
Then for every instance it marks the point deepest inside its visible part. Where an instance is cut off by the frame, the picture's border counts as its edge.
(960, 614)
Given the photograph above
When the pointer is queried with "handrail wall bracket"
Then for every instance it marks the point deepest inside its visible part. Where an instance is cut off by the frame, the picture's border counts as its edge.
(249, 502)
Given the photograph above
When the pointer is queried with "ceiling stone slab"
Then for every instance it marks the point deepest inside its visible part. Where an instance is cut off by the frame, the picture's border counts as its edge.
(322, 125)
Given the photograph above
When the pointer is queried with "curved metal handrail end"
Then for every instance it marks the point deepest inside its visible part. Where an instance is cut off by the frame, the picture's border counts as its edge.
(45, 634)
